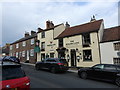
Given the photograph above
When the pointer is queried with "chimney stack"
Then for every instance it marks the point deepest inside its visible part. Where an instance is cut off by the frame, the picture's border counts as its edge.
(39, 29)
(67, 25)
(49, 24)
(33, 32)
(26, 34)
(93, 19)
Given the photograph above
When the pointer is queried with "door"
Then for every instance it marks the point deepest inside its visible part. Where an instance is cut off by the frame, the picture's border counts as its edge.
(27, 54)
(73, 57)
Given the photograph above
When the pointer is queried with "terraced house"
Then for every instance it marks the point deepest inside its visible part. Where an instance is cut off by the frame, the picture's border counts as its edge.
(24, 48)
(80, 44)
(47, 43)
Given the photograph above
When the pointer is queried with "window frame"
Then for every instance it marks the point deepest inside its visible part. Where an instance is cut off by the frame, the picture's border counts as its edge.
(87, 55)
(43, 34)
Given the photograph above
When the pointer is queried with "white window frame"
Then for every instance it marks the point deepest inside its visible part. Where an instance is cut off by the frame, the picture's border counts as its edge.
(24, 43)
(32, 41)
(17, 45)
(23, 53)
(17, 54)
(32, 52)
(11, 47)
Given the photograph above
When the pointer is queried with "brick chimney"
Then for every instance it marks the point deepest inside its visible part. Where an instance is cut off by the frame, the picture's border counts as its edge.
(49, 24)
(33, 32)
(27, 34)
(39, 29)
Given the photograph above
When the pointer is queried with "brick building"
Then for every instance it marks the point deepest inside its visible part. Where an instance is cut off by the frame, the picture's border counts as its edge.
(24, 48)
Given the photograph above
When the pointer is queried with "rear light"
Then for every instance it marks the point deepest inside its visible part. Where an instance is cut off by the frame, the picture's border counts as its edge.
(60, 63)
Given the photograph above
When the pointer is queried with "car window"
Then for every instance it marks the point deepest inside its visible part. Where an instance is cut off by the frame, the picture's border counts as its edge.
(109, 67)
(118, 67)
(12, 72)
(50, 60)
(98, 66)
(63, 60)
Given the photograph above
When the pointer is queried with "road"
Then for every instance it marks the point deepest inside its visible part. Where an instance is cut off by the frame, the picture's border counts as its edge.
(45, 79)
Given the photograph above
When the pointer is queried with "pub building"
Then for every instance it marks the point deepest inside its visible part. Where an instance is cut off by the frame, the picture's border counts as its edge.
(79, 44)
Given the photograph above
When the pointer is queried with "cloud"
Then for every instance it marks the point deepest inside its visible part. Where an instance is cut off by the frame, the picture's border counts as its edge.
(18, 17)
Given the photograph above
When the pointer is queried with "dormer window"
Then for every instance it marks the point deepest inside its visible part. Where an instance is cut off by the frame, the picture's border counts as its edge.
(43, 35)
(86, 39)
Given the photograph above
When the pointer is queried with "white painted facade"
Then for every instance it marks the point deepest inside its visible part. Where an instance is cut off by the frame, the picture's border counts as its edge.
(108, 52)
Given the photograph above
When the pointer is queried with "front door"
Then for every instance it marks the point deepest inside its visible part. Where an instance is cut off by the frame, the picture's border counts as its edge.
(27, 54)
(73, 57)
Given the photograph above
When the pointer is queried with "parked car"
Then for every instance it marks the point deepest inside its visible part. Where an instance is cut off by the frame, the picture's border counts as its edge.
(12, 76)
(53, 64)
(108, 72)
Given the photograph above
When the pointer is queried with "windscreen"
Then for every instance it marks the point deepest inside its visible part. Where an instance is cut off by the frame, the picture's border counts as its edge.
(63, 60)
(12, 72)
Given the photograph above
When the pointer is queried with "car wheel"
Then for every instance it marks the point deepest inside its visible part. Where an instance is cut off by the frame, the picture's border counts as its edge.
(117, 81)
(53, 70)
(83, 75)
(37, 67)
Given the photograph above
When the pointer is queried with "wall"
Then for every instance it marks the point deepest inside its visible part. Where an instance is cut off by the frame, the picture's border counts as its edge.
(94, 47)
(107, 52)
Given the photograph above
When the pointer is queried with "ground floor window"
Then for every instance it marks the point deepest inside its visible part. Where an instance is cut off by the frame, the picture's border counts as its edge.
(23, 53)
(51, 55)
(87, 55)
(42, 56)
(17, 54)
(116, 61)
(32, 52)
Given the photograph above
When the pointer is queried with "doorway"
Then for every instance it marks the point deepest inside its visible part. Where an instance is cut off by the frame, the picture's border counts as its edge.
(73, 58)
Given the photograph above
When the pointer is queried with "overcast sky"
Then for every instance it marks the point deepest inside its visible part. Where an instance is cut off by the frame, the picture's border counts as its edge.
(19, 16)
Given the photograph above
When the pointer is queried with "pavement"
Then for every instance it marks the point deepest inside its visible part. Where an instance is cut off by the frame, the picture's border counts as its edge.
(71, 69)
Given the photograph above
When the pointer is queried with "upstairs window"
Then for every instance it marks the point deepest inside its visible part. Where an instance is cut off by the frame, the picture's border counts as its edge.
(117, 46)
(87, 55)
(24, 43)
(61, 42)
(42, 46)
(86, 39)
(11, 47)
(43, 35)
(17, 45)
(32, 41)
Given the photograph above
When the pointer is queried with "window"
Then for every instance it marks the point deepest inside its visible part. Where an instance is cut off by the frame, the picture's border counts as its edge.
(86, 40)
(32, 52)
(109, 67)
(98, 66)
(20, 53)
(23, 53)
(42, 46)
(61, 42)
(17, 54)
(87, 55)
(116, 61)
(43, 35)
(51, 55)
(24, 43)
(42, 56)
(17, 45)
(50, 60)
(117, 46)
(32, 41)
(11, 47)
(10, 54)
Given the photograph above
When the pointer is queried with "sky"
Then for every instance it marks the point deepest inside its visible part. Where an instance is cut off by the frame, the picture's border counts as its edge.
(20, 16)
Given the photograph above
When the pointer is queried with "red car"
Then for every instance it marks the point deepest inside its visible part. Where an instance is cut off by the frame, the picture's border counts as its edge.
(12, 76)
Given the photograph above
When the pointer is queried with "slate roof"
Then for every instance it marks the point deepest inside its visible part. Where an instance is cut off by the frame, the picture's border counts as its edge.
(111, 34)
(80, 29)
(25, 38)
